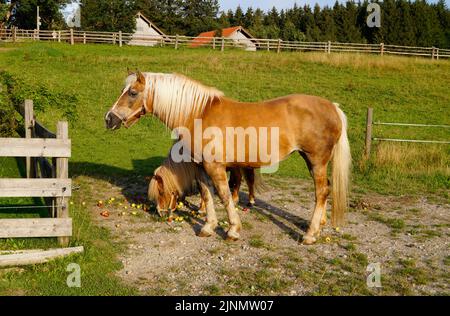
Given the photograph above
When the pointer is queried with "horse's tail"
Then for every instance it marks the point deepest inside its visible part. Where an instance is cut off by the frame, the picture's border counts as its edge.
(342, 160)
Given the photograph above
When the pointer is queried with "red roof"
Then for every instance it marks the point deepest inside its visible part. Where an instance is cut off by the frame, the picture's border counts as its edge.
(206, 37)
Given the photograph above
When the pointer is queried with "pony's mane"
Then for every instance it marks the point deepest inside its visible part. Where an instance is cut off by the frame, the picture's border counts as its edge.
(177, 177)
(178, 99)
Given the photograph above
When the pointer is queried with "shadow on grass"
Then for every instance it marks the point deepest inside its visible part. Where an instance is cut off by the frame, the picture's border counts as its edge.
(133, 183)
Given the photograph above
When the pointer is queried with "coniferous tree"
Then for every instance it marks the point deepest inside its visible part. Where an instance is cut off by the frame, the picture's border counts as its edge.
(249, 18)
(199, 15)
(257, 29)
(238, 19)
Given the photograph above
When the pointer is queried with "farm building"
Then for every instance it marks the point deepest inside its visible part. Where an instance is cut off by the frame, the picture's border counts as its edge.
(147, 33)
(237, 33)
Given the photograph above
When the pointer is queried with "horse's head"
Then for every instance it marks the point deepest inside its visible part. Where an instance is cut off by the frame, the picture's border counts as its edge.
(131, 105)
(166, 201)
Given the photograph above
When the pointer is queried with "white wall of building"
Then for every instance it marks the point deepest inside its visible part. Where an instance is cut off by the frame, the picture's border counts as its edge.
(145, 35)
(243, 40)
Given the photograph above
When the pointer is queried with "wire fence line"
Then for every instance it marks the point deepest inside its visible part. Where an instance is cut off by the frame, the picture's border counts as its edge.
(220, 43)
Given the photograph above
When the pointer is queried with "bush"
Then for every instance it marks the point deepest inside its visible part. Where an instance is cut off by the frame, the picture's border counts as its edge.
(43, 98)
(8, 123)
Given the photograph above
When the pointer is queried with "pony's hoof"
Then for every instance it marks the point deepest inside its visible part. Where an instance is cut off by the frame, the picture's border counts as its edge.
(251, 204)
(309, 240)
(233, 236)
(205, 232)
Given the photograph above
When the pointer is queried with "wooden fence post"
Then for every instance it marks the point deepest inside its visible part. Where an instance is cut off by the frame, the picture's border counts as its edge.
(120, 39)
(29, 125)
(214, 42)
(72, 40)
(369, 123)
(382, 49)
(433, 52)
(223, 44)
(84, 38)
(176, 41)
(268, 45)
(59, 36)
(437, 53)
(62, 172)
(14, 34)
(279, 46)
(329, 47)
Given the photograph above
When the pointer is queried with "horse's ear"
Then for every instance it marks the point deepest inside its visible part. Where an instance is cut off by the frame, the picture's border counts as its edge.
(130, 72)
(140, 77)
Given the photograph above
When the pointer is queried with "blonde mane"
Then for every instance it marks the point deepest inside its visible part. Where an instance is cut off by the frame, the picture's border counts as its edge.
(178, 99)
(177, 177)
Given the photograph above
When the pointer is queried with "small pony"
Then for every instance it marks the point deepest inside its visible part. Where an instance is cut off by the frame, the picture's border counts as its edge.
(172, 182)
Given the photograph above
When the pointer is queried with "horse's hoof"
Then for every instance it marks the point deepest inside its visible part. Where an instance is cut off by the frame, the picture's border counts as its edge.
(309, 240)
(233, 236)
(251, 204)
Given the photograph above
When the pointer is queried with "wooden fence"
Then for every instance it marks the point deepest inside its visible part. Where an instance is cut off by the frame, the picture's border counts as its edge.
(48, 180)
(220, 43)
(369, 133)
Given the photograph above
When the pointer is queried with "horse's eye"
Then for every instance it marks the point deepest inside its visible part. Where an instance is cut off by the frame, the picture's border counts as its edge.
(133, 93)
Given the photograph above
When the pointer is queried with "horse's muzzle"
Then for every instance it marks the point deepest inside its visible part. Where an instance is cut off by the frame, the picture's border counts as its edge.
(112, 121)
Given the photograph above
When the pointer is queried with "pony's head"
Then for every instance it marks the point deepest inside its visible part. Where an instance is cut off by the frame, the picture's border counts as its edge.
(132, 103)
(160, 193)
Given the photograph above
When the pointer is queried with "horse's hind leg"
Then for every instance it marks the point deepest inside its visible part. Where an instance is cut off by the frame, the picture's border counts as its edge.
(323, 220)
(322, 191)
(218, 174)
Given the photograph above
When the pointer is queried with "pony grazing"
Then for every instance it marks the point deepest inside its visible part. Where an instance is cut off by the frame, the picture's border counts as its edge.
(172, 182)
(311, 126)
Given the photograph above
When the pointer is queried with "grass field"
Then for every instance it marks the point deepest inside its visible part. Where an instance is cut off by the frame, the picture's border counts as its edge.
(90, 77)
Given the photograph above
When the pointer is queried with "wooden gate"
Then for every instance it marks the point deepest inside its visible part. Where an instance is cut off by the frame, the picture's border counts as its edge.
(48, 180)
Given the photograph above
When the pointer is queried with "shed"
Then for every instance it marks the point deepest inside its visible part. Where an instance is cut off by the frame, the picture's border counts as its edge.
(147, 33)
(237, 33)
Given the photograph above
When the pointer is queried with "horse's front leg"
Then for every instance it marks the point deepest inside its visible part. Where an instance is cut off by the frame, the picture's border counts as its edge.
(207, 193)
(218, 174)
(235, 183)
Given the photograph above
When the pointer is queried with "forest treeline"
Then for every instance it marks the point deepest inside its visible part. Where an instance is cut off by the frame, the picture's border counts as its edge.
(411, 23)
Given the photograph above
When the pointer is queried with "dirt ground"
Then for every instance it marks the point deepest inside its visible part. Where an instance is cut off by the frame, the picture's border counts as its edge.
(407, 236)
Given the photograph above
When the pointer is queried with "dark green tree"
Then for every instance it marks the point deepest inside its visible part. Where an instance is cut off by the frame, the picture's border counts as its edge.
(24, 13)
(199, 16)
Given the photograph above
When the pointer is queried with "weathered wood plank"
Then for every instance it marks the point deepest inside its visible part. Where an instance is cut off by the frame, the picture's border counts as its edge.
(62, 172)
(35, 187)
(20, 258)
(35, 227)
(20, 147)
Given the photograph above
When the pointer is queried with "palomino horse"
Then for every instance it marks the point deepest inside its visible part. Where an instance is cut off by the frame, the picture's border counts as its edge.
(172, 182)
(312, 126)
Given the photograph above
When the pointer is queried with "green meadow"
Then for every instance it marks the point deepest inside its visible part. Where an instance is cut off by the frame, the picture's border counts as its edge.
(80, 83)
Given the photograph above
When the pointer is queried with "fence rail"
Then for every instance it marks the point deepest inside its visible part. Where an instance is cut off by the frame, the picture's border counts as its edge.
(119, 38)
(44, 179)
(369, 134)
